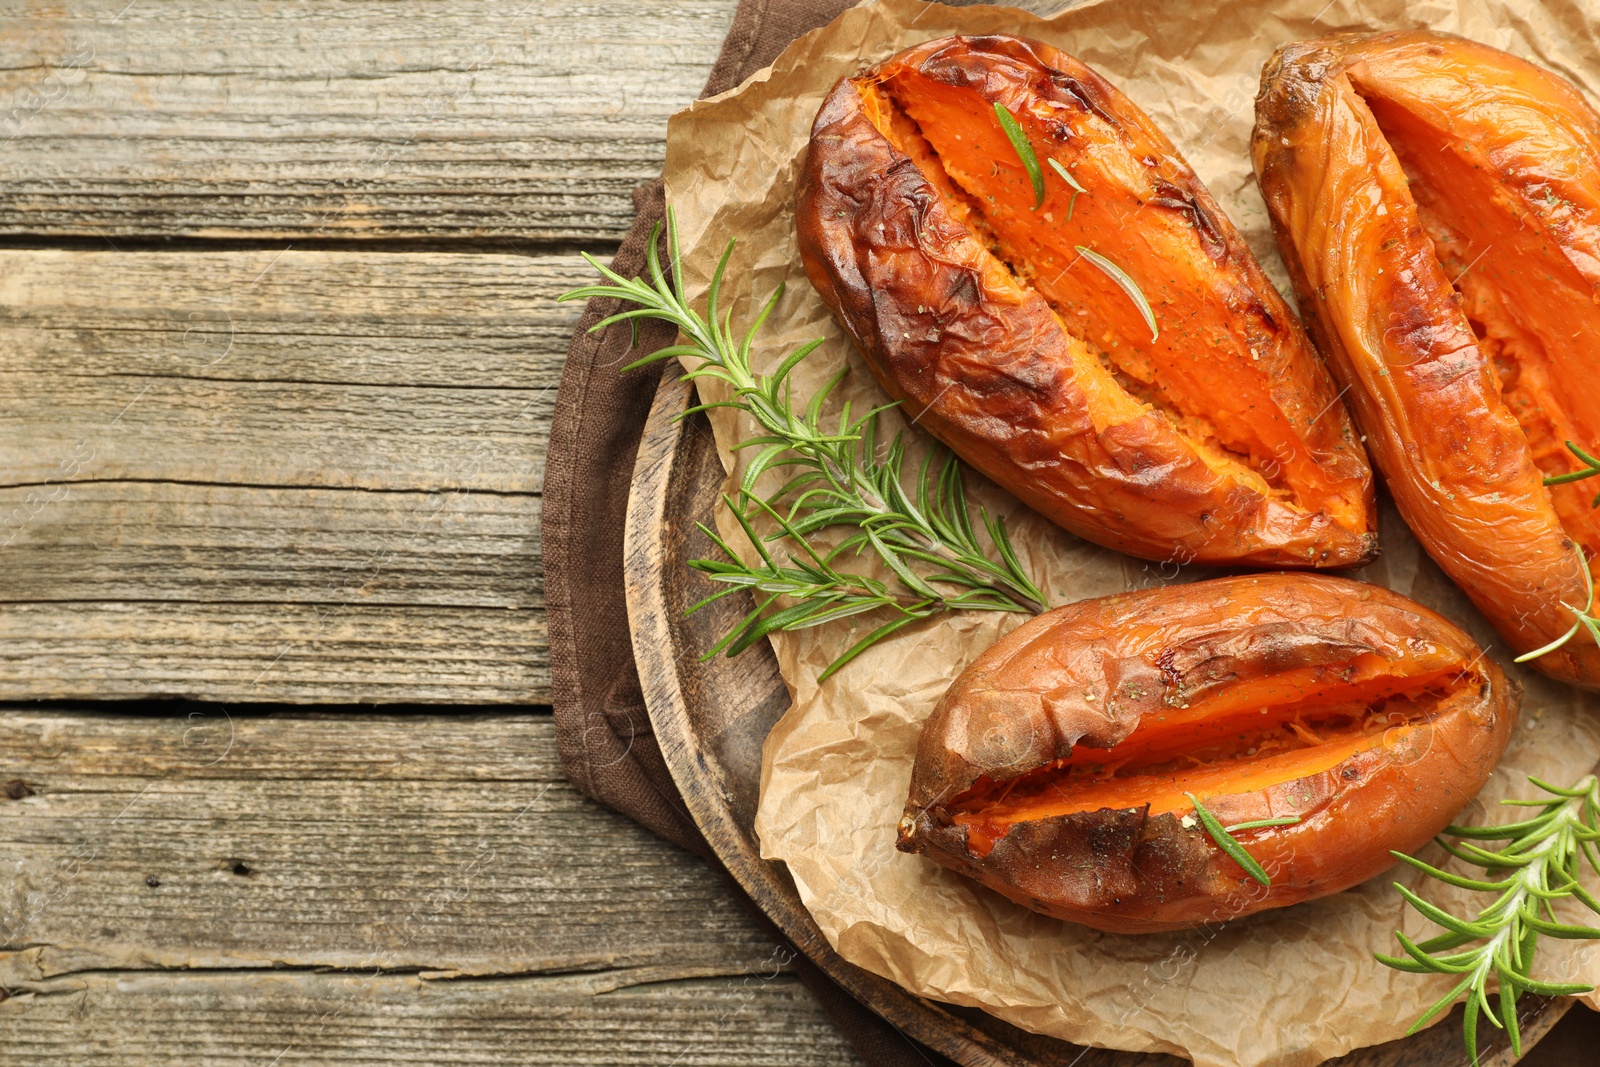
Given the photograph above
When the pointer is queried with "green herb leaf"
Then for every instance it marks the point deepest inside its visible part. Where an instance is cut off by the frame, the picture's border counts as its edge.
(833, 477)
(1056, 166)
(1024, 149)
(1256, 824)
(1127, 284)
(1591, 467)
(1226, 843)
(1539, 863)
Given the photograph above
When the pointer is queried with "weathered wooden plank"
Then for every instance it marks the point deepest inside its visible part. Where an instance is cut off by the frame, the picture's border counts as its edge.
(279, 1020)
(439, 844)
(348, 318)
(276, 476)
(129, 541)
(291, 368)
(282, 653)
(507, 121)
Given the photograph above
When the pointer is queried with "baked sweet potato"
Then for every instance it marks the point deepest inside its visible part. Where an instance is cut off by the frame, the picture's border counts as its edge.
(1438, 204)
(1220, 439)
(1055, 769)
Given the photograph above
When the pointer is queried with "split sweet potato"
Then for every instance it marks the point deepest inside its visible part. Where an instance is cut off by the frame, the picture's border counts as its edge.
(1057, 767)
(1438, 204)
(1213, 436)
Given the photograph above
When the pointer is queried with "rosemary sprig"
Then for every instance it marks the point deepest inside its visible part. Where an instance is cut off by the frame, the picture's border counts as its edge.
(1066, 175)
(926, 536)
(1224, 839)
(1024, 148)
(1591, 468)
(1125, 283)
(1539, 864)
(1584, 618)
(821, 591)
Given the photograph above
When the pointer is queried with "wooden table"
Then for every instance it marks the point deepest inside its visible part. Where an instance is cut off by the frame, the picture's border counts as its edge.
(278, 355)
(277, 366)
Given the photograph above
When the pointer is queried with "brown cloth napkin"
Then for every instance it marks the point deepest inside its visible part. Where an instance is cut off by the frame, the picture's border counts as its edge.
(602, 728)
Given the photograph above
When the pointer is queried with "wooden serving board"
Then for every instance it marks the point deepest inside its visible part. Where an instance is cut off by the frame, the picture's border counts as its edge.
(712, 718)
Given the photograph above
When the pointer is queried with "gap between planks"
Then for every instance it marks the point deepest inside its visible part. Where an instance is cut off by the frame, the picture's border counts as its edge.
(439, 844)
(277, 476)
(520, 123)
(393, 888)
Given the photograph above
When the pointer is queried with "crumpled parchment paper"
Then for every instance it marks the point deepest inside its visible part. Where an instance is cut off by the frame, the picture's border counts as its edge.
(1286, 989)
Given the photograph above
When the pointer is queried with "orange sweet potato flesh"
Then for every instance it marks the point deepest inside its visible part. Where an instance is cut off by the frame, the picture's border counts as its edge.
(1222, 440)
(1438, 204)
(1055, 769)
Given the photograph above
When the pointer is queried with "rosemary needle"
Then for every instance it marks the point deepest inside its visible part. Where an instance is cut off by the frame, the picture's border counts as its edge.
(925, 535)
(1257, 824)
(1125, 283)
(1582, 617)
(1066, 174)
(1019, 141)
(1223, 836)
(1591, 467)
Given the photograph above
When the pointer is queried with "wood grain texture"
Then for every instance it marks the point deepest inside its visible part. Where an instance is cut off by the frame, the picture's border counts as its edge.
(276, 653)
(483, 120)
(172, 882)
(279, 476)
(177, 542)
(439, 844)
(275, 1020)
(282, 367)
(314, 477)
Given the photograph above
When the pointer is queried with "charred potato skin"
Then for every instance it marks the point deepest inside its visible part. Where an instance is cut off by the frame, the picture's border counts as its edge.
(1384, 314)
(1018, 707)
(877, 243)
